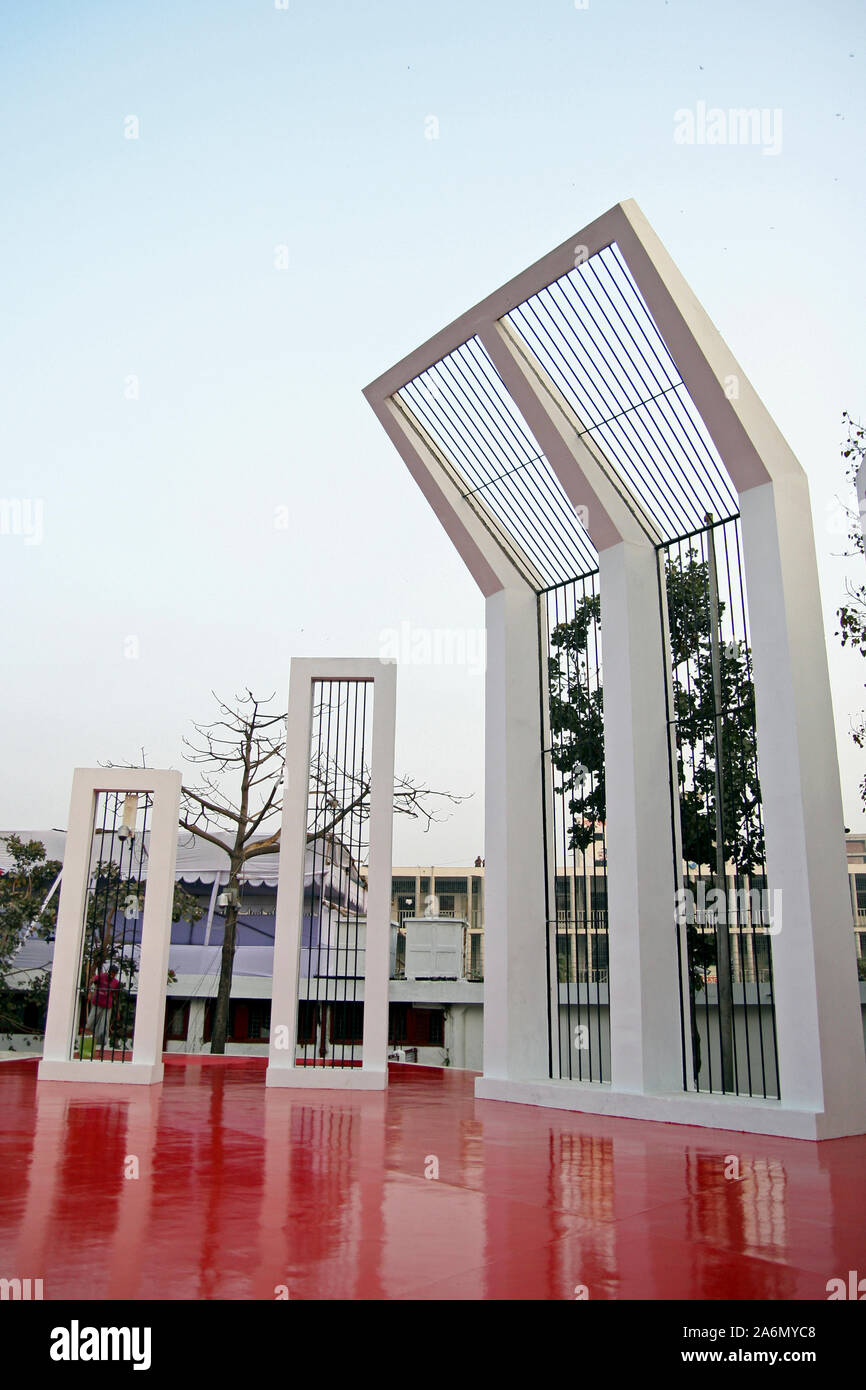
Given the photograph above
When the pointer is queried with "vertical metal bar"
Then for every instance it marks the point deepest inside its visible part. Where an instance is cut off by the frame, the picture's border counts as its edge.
(604, 918)
(89, 932)
(341, 774)
(317, 879)
(353, 821)
(724, 989)
(742, 791)
(359, 814)
(561, 825)
(687, 994)
(764, 937)
(548, 832)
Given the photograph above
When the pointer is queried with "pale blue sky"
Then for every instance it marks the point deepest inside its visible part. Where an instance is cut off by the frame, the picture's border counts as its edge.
(305, 127)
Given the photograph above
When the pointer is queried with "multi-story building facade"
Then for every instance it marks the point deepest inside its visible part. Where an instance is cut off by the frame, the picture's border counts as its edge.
(437, 952)
(436, 970)
(856, 847)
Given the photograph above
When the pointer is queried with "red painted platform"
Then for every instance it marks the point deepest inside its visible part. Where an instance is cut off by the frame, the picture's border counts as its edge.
(247, 1193)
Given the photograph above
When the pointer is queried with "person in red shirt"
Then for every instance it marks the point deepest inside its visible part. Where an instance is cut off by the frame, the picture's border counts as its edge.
(103, 992)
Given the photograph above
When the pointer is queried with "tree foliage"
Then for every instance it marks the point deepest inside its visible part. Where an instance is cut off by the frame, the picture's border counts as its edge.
(577, 724)
(852, 613)
(23, 889)
(577, 729)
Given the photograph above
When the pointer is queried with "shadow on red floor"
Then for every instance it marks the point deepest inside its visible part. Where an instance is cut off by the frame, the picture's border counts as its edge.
(212, 1187)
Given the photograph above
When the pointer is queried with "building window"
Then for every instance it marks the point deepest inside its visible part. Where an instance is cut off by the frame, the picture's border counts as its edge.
(563, 898)
(249, 1020)
(599, 951)
(308, 1018)
(239, 1021)
(598, 889)
(477, 902)
(347, 1023)
(860, 889)
(411, 1027)
(176, 1020)
(450, 885)
(397, 1023)
(259, 1027)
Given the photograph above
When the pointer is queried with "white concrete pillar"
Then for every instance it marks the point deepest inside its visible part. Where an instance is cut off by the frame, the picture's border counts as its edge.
(818, 1023)
(515, 976)
(645, 1026)
(377, 952)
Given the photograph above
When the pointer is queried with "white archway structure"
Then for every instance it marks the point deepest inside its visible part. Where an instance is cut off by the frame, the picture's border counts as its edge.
(361, 748)
(89, 849)
(615, 483)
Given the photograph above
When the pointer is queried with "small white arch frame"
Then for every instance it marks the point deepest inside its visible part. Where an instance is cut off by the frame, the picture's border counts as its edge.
(146, 1067)
(282, 1067)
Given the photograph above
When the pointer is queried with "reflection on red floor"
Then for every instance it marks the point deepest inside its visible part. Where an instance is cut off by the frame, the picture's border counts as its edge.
(419, 1192)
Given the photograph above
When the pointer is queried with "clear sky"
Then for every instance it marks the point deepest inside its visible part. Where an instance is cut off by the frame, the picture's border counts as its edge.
(171, 379)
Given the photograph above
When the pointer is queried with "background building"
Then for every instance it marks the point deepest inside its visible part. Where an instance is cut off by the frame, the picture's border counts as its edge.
(437, 954)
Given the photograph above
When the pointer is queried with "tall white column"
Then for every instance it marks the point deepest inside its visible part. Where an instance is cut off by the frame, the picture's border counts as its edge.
(645, 1014)
(377, 956)
(818, 1021)
(515, 977)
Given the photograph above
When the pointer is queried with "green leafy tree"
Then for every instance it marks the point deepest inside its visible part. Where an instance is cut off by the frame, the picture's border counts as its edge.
(23, 890)
(577, 725)
(577, 728)
(695, 711)
(24, 913)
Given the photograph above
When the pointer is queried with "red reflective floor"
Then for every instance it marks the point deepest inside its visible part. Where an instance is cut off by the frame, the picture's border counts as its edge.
(248, 1193)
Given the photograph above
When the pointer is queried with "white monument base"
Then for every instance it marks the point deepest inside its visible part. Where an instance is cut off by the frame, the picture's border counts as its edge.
(743, 1113)
(117, 1073)
(327, 1078)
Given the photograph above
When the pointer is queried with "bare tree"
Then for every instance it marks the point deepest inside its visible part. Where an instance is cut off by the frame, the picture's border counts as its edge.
(241, 755)
(236, 804)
